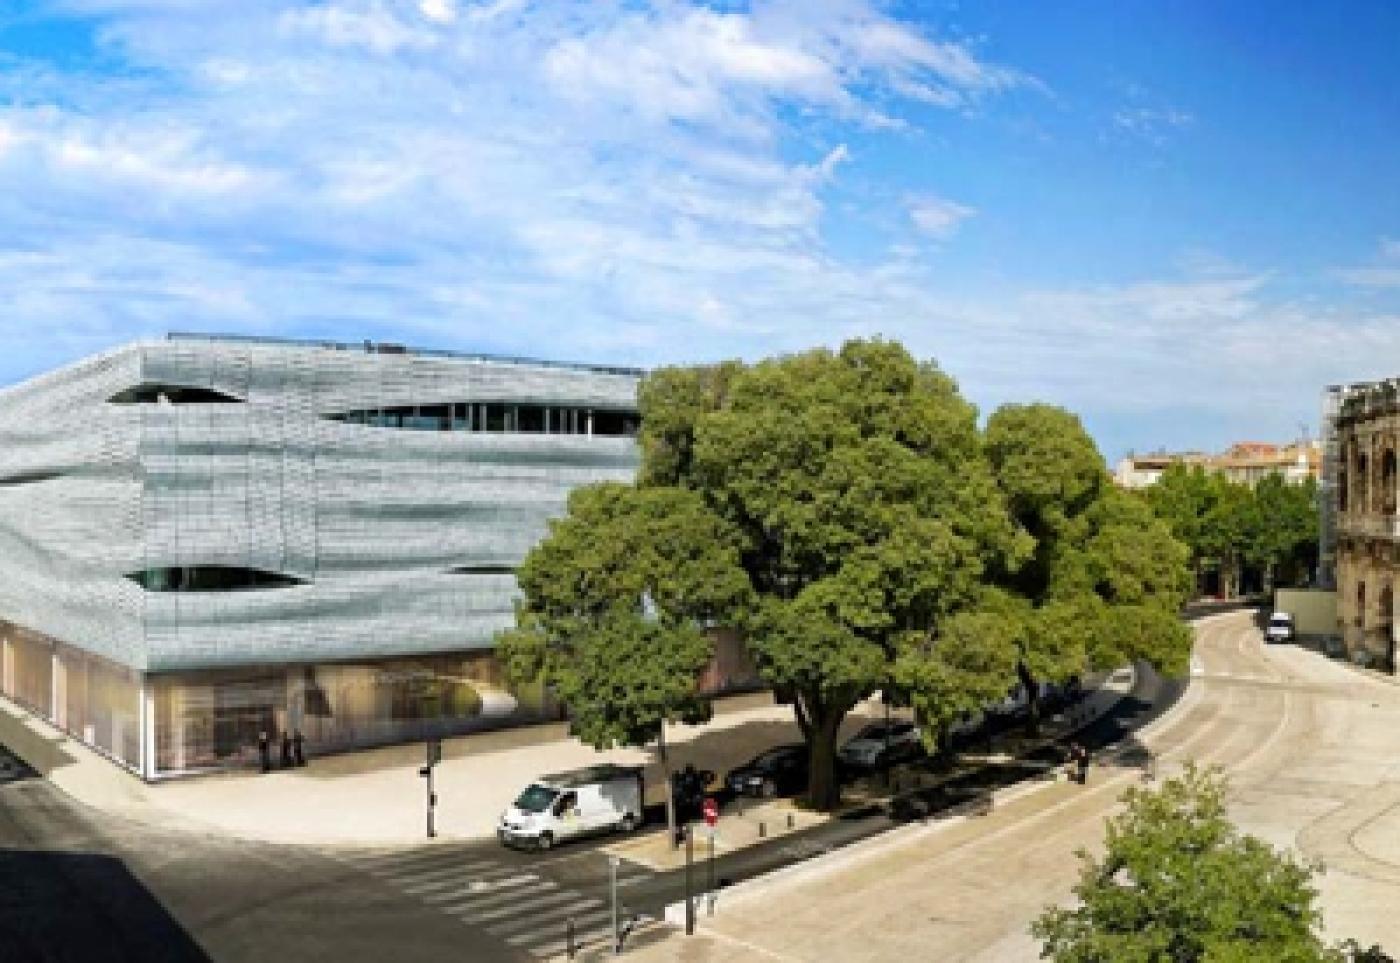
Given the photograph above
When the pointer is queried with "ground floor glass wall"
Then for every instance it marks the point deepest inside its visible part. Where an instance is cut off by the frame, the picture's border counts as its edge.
(213, 718)
(86, 696)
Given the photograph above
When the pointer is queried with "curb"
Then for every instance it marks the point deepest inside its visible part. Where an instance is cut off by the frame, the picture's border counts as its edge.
(956, 815)
(674, 913)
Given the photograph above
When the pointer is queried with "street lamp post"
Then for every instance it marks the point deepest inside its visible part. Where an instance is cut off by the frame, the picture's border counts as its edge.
(617, 936)
(434, 757)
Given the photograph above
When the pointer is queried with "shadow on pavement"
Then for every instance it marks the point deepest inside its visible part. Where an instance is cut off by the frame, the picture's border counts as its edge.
(57, 907)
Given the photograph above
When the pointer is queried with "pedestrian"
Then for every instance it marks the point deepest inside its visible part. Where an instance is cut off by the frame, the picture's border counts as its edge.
(264, 751)
(286, 750)
(1075, 767)
(1083, 765)
(297, 749)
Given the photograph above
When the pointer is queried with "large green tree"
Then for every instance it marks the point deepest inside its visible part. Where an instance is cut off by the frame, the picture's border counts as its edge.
(866, 513)
(1106, 578)
(616, 600)
(1178, 882)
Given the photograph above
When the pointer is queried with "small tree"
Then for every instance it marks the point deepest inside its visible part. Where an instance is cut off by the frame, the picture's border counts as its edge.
(1178, 882)
(616, 598)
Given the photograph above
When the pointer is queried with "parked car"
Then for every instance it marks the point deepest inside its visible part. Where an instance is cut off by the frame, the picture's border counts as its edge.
(778, 771)
(1280, 628)
(967, 726)
(598, 799)
(875, 746)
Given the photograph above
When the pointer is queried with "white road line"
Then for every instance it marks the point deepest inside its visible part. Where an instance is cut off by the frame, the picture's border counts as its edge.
(594, 918)
(476, 871)
(555, 911)
(519, 879)
(545, 951)
(482, 870)
(466, 898)
(531, 902)
(401, 858)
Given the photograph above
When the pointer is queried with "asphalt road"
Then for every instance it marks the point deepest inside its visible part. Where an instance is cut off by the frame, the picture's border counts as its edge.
(80, 885)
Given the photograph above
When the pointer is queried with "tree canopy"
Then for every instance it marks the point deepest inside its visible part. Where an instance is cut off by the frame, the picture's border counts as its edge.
(615, 599)
(1178, 882)
(1270, 529)
(844, 510)
(866, 513)
(1106, 578)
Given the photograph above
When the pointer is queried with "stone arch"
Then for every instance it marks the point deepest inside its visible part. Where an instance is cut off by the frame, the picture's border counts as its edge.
(1387, 482)
(1362, 481)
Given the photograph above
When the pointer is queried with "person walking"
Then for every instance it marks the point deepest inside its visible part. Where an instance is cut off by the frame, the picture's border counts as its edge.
(1083, 763)
(286, 750)
(297, 748)
(264, 751)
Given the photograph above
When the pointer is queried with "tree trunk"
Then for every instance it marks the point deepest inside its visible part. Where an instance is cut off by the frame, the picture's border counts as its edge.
(823, 788)
(670, 796)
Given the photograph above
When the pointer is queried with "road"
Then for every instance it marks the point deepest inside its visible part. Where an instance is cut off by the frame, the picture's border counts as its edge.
(1312, 750)
(76, 884)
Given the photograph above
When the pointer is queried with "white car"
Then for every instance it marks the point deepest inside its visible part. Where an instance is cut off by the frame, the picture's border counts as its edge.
(1280, 628)
(873, 746)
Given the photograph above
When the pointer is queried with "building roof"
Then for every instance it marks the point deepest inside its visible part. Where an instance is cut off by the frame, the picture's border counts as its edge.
(392, 348)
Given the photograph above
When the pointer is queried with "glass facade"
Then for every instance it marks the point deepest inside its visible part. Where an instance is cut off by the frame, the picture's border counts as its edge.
(213, 718)
(498, 417)
(87, 697)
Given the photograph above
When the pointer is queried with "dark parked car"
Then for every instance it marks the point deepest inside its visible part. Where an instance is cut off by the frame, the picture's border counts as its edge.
(778, 771)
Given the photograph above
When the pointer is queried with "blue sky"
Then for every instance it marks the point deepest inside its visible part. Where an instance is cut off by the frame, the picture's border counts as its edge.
(1178, 219)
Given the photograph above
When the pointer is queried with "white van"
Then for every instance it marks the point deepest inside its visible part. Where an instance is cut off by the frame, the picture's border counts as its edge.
(598, 799)
(1280, 628)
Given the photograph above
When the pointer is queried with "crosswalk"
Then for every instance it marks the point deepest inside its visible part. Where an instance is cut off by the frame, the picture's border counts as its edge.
(522, 908)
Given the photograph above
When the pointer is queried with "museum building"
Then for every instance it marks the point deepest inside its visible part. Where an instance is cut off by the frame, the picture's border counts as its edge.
(207, 537)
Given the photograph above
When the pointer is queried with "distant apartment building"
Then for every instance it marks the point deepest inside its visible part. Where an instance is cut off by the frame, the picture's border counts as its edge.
(1246, 462)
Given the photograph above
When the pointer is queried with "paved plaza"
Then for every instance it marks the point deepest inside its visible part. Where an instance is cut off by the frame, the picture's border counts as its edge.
(1312, 749)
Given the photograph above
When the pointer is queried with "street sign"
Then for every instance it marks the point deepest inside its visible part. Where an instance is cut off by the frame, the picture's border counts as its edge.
(711, 811)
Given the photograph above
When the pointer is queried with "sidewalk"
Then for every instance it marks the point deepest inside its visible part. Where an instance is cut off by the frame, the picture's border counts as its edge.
(376, 797)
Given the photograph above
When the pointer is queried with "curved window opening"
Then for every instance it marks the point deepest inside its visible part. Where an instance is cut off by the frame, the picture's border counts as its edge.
(158, 394)
(210, 578)
(28, 478)
(498, 417)
(482, 570)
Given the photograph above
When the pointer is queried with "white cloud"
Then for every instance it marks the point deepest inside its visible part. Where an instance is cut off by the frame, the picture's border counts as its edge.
(1153, 124)
(371, 24)
(937, 217)
(1383, 272)
(622, 182)
(438, 11)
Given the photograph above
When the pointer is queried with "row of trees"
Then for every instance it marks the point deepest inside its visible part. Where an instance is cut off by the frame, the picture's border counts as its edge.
(844, 511)
(1249, 537)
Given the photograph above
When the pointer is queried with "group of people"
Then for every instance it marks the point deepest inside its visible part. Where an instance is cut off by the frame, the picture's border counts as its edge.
(293, 750)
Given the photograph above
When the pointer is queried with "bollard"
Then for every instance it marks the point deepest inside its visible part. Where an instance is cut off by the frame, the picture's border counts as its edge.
(569, 937)
(789, 820)
(762, 829)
